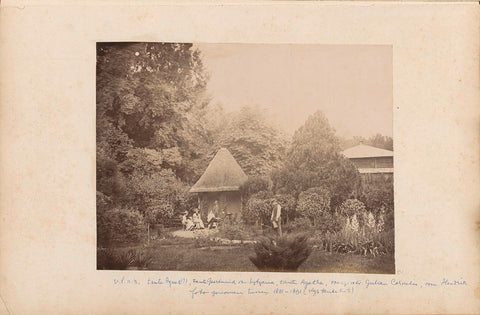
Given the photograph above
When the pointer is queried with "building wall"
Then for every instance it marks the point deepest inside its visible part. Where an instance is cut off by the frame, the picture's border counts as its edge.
(377, 162)
(384, 162)
(364, 162)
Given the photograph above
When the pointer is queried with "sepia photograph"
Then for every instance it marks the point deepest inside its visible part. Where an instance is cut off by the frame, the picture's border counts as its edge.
(244, 157)
(214, 157)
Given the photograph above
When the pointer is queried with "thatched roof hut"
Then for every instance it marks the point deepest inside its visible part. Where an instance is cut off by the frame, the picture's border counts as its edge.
(222, 174)
(221, 182)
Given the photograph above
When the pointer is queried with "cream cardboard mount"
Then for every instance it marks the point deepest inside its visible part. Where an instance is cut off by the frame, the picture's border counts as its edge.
(47, 157)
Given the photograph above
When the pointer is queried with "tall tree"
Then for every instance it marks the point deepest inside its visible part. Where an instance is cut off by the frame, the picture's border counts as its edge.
(382, 142)
(314, 160)
(255, 143)
(152, 94)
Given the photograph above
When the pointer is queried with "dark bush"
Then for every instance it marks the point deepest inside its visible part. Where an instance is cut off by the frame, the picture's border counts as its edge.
(109, 259)
(352, 206)
(103, 201)
(285, 253)
(256, 184)
(313, 202)
(377, 199)
(258, 208)
(232, 232)
(328, 222)
(119, 225)
(288, 203)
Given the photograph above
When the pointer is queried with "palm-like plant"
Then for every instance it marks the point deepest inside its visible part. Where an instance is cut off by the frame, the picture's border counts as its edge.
(285, 253)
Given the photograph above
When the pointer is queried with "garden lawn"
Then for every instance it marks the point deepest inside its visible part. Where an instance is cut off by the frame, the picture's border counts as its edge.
(191, 257)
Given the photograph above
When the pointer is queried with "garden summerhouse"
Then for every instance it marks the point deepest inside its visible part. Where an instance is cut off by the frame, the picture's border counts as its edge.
(221, 181)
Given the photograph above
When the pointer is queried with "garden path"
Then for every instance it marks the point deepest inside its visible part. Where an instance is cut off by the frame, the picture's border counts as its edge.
(195, 233)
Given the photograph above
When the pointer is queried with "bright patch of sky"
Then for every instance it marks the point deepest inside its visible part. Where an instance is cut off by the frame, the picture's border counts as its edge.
(351, 84)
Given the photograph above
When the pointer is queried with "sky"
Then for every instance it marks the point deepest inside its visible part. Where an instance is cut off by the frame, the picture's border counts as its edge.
(351, 84)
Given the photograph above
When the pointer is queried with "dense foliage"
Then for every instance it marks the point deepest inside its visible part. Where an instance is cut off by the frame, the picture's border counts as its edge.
(255, 184)
(257, 145)
(351, 207)
(285, 253)
(119, 225)
(377, 140)
(313, 203)
(314, 160)
(258, 208)
(288, 204)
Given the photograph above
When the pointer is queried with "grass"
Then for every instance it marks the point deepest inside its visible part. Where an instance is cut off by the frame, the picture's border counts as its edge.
(188, 256)
(225, 258)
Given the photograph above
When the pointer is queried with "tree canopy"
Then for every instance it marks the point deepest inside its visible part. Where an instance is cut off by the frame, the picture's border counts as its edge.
(314, 160)
(377, 140)
(257, 145)
(151, 95)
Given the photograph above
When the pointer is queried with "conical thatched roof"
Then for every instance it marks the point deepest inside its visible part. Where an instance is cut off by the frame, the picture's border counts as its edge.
(222, 174)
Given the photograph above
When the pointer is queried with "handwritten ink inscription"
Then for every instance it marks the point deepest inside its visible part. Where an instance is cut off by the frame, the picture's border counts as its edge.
(215, 287)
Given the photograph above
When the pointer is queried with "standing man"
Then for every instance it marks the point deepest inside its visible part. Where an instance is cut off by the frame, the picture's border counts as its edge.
(276, 217)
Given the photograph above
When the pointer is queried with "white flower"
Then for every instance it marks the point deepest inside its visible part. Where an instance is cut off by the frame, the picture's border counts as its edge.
(354, 224)
(380, 223)
(371, 220)
(347, 226)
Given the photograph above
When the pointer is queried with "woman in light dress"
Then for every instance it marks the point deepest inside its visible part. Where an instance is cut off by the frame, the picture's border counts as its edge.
(197, 220)
(187, 222)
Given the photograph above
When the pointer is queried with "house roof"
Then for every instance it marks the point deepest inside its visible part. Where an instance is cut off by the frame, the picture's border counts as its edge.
(222, 174)
(365, 151)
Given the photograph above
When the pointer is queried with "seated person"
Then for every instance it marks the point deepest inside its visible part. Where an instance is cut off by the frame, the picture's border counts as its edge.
(197, 220)
(189, 224)
(211, 220)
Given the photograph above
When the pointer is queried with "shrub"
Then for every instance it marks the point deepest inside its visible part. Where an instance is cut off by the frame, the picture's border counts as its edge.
(232, 232)
(287, 202)
(352, 207)
(313, 202)
(328, 222)
(142, 259)
(351, 240)
(299, 224)
(314, 161)
(389, 219)
(377, 199)
(119, 226)
(103, 201)
(387, 239)
(110, 181)
(258, 208)
(158, 195)
(109, 259)
(285, 253)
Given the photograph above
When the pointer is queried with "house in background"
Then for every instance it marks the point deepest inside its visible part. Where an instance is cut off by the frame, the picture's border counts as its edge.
(221, 181)
(372, 163)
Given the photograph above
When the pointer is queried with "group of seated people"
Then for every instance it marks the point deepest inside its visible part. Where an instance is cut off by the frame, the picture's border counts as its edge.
(195, 222)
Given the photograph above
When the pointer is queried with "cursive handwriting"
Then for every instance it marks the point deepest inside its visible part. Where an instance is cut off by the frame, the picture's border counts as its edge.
(215, 287)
